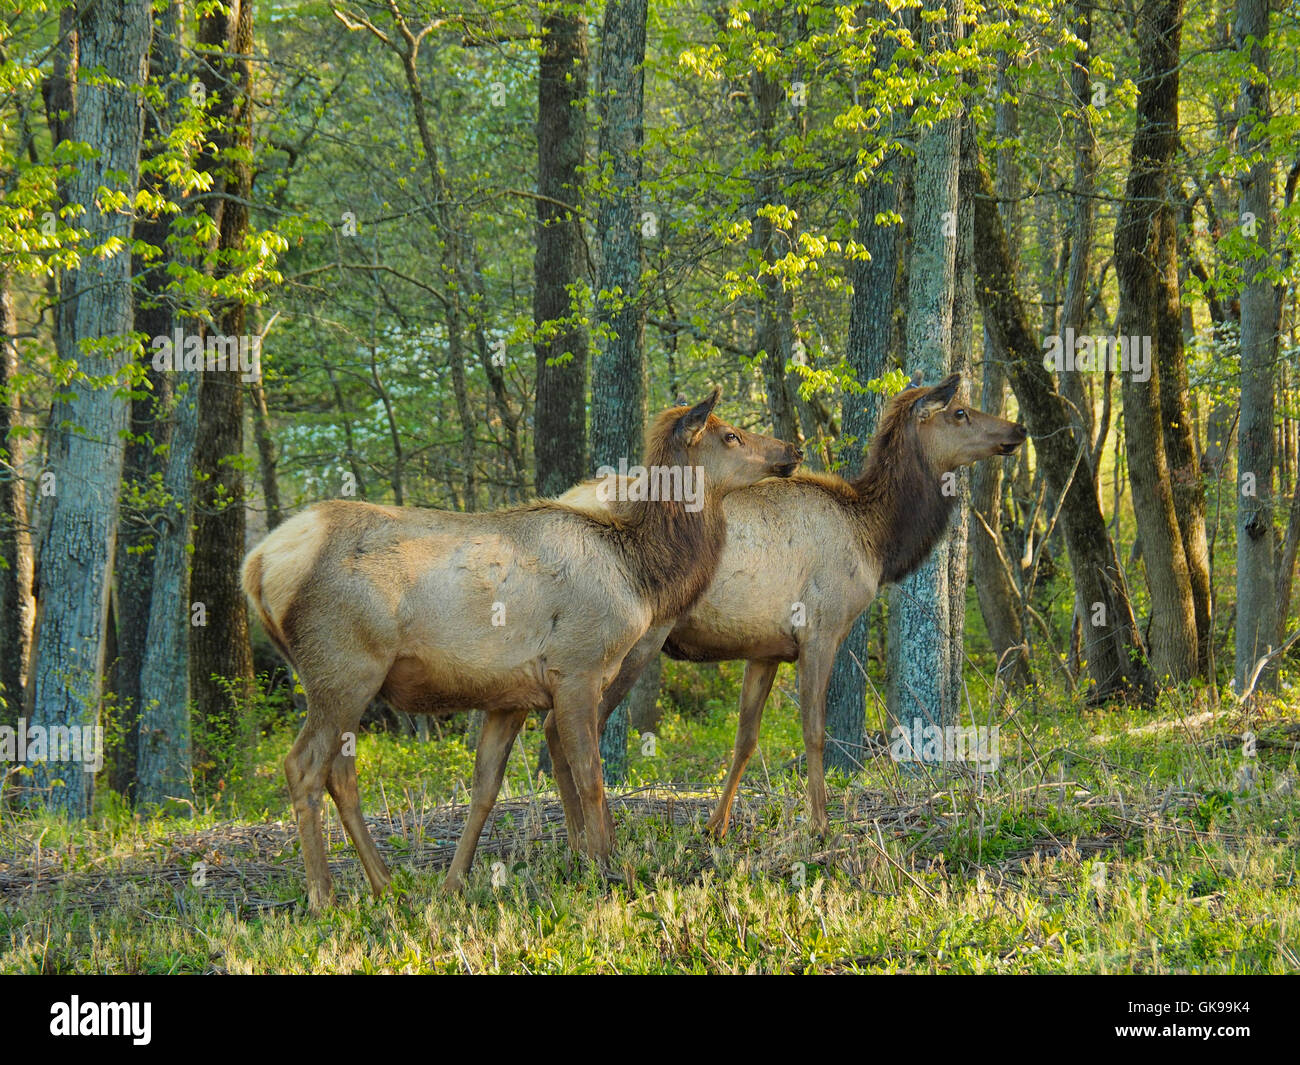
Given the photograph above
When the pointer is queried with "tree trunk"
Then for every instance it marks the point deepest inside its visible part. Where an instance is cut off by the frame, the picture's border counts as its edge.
(920, 623)
(1256, 605)
(774, 325)
(164, 759)
(1074, 307)
(85, 456)
(1140, 258)
(221, 657)
(1116, 661)
(963, 332)
(560, 414)
(151, 427)
(16, 608)
(1180, 439)
(994, 582)
(870, 339)
(618, 377)
(560, 417)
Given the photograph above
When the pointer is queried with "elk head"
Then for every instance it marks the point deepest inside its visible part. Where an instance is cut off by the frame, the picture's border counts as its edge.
(952, 433)
(732, 458)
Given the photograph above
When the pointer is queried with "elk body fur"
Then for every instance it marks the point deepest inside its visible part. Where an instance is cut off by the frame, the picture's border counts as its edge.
(806, 556)
(509, 611)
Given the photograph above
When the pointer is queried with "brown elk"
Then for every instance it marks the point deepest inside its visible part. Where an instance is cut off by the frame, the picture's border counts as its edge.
(804, 557)
(510, 611)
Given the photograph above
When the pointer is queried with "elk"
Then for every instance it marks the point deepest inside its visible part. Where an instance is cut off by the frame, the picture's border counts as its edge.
(826, 544)
(530, 608)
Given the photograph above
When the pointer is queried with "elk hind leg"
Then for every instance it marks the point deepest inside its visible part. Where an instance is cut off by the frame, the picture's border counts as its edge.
(495, 739)
(753, 697)
(306, 768)
(342, 784)
(576, 710)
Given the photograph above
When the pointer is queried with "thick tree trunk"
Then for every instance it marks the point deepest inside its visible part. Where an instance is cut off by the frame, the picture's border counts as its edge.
(560, 413)
(920, 622)
(1256, 568)
(1180, 440)
(16, 608)
(151, 428)
(560, 417)
(164, 758)
(1116, 661)
(618, 376)
(1140, 261)
(870, 339)
(85, 455)
(221, 657)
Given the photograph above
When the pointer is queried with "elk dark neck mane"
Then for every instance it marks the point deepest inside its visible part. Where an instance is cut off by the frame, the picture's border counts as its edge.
(670, 553)
(902, 509)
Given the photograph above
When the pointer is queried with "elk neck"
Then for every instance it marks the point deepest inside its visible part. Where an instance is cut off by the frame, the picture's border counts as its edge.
(669, 551)
(901, 508)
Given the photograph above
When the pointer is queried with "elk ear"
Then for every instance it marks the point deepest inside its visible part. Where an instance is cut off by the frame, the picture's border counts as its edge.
(939, 397)
(692, 423)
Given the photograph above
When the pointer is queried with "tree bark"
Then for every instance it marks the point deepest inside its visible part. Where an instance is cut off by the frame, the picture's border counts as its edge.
(920, 623)
(151, 427)
(560, 416)
(618, 377)
(1116, 659)
(85, 453)
(870, 340)
(164, 761)
(1256, 606)
(994, 582)
(1140, 265)
(16, 607)
(221, 657)
(963, 332)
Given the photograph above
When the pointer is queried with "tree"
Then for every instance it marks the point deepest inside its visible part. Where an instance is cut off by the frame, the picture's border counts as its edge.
(1148, 288)
(88, 420)
(994, 583)
(559, 440)
(221, 658)
(921, 629)
(1116, 658)
(15, 537)
(618, 378)
(1256, 607)
(151, 420)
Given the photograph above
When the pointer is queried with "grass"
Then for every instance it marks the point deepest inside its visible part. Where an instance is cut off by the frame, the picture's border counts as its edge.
(1107, 841)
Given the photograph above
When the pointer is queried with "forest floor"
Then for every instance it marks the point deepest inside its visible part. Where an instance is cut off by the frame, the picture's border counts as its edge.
(1106, 841)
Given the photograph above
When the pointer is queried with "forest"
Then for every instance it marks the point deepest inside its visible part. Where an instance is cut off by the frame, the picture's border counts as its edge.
(1001, 679)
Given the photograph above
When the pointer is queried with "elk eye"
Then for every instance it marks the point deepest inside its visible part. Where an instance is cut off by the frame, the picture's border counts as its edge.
(731, 438)
(960, 412)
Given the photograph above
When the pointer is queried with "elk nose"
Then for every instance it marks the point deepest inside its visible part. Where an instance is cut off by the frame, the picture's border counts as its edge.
(1021, 431)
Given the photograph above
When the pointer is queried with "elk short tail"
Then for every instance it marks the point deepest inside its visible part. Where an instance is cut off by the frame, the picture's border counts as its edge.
(275, 571)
